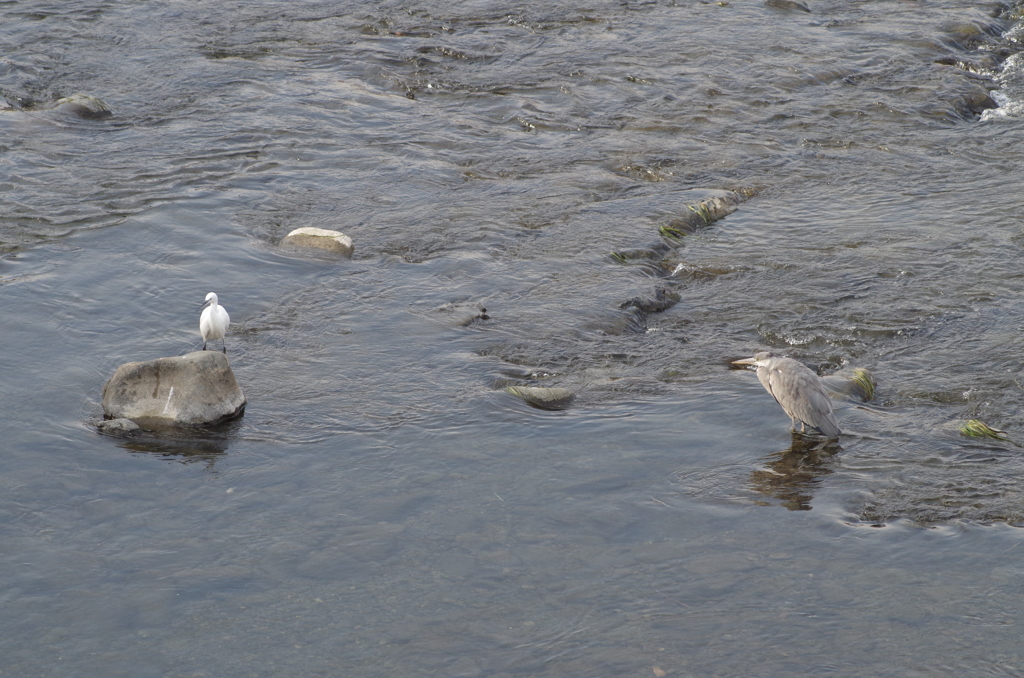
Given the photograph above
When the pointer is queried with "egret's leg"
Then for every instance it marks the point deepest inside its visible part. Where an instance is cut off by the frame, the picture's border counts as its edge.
(204, 345)
(225, 346)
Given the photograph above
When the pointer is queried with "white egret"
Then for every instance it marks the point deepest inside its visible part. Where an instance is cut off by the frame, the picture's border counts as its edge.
(213, 323)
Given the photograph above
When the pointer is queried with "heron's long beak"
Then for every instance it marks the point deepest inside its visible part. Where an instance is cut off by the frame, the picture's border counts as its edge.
(745, 361)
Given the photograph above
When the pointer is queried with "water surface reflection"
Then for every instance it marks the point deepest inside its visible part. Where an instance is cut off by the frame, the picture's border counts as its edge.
(791, 475)
(187, 445)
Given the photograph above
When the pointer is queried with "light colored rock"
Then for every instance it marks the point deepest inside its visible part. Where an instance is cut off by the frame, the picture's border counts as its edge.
(116, 426)
(198, 388)
(84, 106)
(544, 398)
(322, 238)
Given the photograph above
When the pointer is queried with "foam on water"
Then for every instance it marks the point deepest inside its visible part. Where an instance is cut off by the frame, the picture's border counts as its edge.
(1010, 95)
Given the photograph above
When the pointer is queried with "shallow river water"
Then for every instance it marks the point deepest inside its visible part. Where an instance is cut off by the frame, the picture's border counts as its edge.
(385, 507)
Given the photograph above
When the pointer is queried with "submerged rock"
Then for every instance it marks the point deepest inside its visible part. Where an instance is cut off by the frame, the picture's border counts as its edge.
(464, 314)
(117, 426)
(194, 389)
(83, 106)
(663, 299)
(787, 4)
(544, 398)
(80, 105)
(701, 214)
(321, 238)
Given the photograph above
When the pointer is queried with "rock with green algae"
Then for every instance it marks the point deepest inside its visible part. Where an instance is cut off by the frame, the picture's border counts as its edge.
(857, 383)
(975, 428)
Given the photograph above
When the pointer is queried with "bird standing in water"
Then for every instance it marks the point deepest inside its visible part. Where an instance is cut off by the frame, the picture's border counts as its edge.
(798, 389)
(213, 323)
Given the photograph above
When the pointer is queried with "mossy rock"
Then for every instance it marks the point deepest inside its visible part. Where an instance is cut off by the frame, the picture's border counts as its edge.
(975, 428)
(857, 382)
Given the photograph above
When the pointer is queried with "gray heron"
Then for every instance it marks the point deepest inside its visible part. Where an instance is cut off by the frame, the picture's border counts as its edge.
(798, 389)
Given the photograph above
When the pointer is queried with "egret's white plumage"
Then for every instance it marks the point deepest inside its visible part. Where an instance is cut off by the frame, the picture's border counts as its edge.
(213, 323)
(797, 389)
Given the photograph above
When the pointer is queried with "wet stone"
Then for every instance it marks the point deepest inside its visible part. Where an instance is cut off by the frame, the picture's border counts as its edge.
(544, 398)
(194, 389)
(320, 238)
(788, 5)
(464, 314)
(117, 426)
(83, 106)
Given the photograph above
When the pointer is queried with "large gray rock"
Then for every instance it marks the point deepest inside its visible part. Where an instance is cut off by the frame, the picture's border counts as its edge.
(198, 388)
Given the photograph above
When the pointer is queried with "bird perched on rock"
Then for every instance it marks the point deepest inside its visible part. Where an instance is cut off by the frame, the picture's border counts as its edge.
(213, 323)
(798, 389)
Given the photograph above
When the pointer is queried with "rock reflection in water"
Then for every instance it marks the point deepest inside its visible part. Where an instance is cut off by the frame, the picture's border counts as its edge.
(791, 475)
(200, 446)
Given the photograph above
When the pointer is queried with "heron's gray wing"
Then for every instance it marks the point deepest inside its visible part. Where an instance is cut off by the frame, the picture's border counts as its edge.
(821, 405)
(801, 395)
